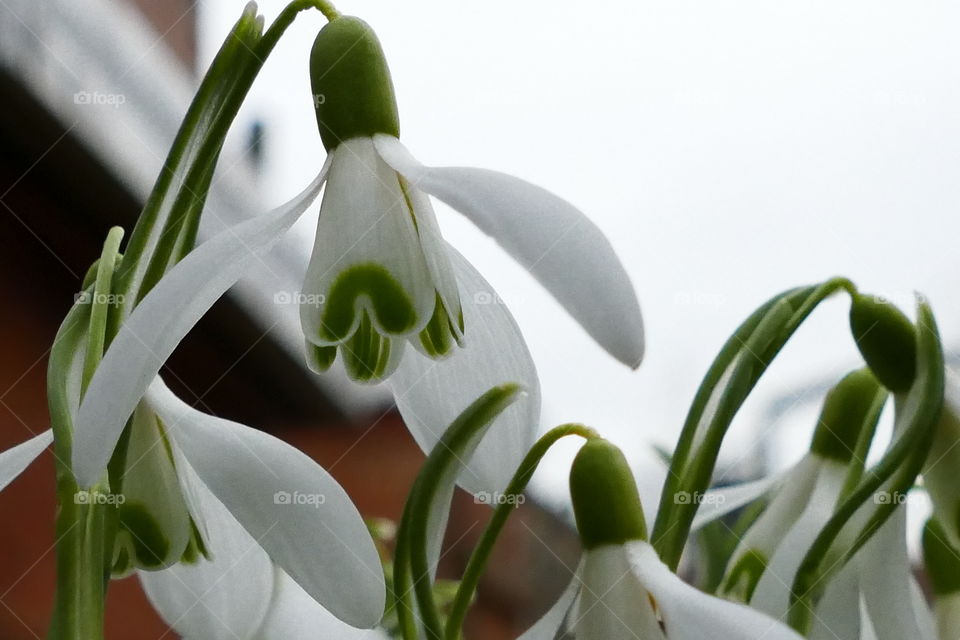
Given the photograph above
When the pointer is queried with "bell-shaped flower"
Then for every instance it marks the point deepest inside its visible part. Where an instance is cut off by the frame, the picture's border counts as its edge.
(874, 595)
(622, 590)
(240, 594)
(762, 568)
(297, 514)
(380, 274)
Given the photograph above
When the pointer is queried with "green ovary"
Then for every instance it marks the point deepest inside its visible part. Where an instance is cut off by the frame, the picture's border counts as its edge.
(389, 303)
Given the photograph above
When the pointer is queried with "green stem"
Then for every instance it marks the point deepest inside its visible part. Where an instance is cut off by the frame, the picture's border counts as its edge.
(100, 305)
(402, 584)
(749, 351)
(440, 469)
(481, 554)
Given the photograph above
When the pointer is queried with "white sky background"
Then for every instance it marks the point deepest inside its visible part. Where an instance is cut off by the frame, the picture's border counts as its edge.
(729, 150)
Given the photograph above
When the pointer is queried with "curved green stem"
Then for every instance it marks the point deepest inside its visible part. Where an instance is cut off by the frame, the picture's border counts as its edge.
(441, 470)
(740, 364)
(480, 555)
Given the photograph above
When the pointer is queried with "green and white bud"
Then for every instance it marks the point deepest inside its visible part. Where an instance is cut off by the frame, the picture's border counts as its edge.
(352, 90)
(846, 409)
(155, 527)
(886, 339)
(606, 502)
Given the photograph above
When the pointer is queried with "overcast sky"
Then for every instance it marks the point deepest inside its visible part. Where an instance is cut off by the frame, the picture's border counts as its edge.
(730, 150)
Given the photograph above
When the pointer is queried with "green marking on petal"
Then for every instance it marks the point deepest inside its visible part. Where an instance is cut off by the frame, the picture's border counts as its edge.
(196, 547)
(438, 337)
(390, 304)
(745, 576)
(320, 358)
(149, 544)
(606, 502)
(366, 353)
(122, 564)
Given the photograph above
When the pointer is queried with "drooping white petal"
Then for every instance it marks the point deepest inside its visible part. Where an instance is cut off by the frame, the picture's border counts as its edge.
(838, 612)
(690, 614)
(224, 598)
(161, 320)
(718, 502)
(430, 394)
(14, 460)
(294, 615)
(291, 506)
(765, 535)
(367, 255)
(885, 573)
(555, 622)
(552, 239)
(614, 604)
(435, 252)
(772, 594)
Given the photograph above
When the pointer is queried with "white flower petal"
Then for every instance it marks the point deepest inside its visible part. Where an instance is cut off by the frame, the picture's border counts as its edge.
(430, 394)
(556, 620)
(838, 612)
(14, 460)
(552, 239)
(718, 502)
(690, 614)
(161, 320)
(365, 221)
(291, 506)
(225, 598)
(435, 252)
(884, 580)
(772, 594)
(614, 605)
(294, 615)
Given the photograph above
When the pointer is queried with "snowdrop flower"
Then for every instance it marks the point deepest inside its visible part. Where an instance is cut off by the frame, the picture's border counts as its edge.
(241, 594)
(380, 274)
(942, 560)
(766, 559)
(622, 590)
(297, 514)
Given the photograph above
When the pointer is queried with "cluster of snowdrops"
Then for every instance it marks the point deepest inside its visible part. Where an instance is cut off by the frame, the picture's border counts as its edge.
(189, 502)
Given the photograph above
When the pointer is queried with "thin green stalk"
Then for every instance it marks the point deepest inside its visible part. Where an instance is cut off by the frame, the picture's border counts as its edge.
(440, 469)
(100, 304)
(750, 351)
(481, 554)
(897, 470)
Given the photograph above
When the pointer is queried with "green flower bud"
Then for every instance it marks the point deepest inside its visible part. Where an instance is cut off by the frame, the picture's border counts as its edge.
(352, 90)
(845, 412)
(886, 339)
(941, 559)
(606, 503)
